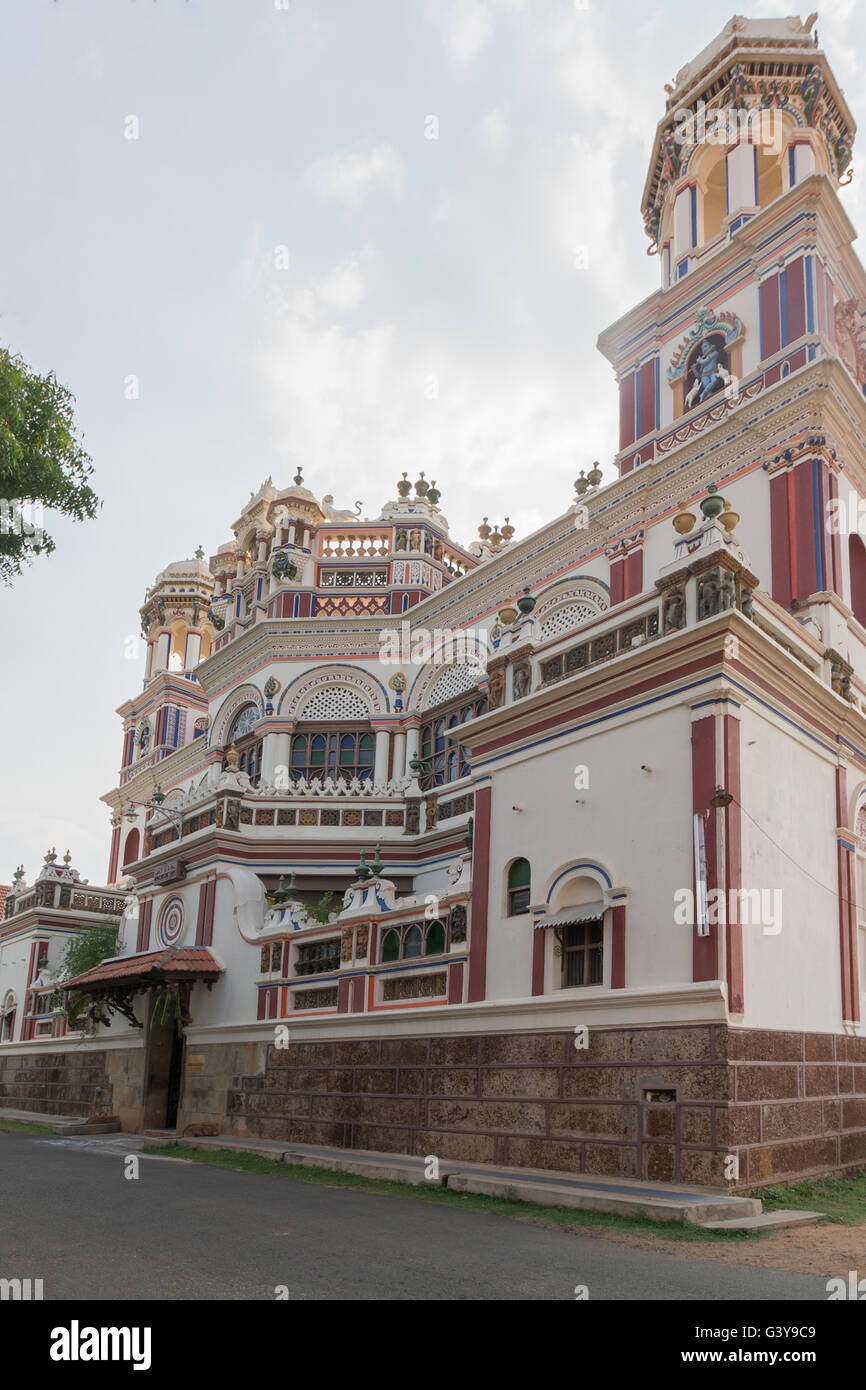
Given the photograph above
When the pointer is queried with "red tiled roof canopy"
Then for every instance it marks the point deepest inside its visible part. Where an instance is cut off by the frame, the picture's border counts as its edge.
(175, 965)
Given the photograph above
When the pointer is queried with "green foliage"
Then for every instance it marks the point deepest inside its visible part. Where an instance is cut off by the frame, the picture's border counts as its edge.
(85, 951)
(323, 909)
(89, 948)
(42, 463)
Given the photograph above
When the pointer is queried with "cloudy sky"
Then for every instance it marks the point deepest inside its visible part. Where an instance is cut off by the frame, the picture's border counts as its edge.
(296, 273)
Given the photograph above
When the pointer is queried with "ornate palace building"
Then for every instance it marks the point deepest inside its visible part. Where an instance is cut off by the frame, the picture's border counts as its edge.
(544, 851)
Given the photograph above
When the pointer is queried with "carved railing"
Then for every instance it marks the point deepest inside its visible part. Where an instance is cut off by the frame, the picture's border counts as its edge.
(592, 651)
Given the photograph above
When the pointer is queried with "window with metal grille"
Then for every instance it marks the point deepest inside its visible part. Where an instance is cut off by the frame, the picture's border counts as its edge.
(583, 953)
(442, 760)
(318, 957)
(336, 751)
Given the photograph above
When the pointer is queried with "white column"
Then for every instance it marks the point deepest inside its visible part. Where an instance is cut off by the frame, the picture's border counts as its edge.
(282, 758)
(380, 767)
(399, 764)
(413, 734)
(192, 656)
(682, 223)
(270, 744)
(163, 651)
(804, 162)
(741, 177)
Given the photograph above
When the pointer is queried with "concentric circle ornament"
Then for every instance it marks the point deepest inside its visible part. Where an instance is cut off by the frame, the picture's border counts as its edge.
(170, 927)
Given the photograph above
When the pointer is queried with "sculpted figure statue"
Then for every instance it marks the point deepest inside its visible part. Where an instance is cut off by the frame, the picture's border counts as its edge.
(709, 372)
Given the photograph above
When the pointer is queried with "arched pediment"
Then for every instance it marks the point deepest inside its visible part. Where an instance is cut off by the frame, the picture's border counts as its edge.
(232, 706)
(569, 604)
(334, 692)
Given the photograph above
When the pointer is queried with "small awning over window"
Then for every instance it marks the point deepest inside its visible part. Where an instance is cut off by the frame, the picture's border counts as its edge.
(571, 916)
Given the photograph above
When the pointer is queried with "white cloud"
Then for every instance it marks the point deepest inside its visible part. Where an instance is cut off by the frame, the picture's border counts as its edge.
(353, 406)
(343, 288)
(349, 177)
(494, 128)
(467, 26)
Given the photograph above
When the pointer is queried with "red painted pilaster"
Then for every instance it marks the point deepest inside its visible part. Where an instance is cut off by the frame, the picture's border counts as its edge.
(539, 938)
(455, 983)
(733, 867)
(617, 582)
(617, 951)
(779, 539)
(634, 573)
(480, 896)
(144, 915)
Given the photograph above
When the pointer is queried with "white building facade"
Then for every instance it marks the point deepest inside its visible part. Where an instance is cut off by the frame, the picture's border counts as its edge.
(544, 851)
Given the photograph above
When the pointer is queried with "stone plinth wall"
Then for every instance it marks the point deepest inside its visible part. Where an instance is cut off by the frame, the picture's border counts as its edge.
(798, 1104)
(662, 1104)
(57, 1083)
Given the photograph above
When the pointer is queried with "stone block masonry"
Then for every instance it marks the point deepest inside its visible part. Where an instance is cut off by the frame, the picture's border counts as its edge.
(57, 1083)
(660, 1104)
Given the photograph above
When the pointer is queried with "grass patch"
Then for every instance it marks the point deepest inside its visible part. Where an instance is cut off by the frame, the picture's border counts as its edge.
(22, 1127)
(556, 1218)
(843, 1199)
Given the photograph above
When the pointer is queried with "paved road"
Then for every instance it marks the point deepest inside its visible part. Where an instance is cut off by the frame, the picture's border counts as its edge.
(187, 1231)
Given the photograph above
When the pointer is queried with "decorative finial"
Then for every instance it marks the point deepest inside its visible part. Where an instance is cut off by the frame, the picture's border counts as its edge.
(199, 554)
(377, 866)
(433, 493)
(712, 505)
(67, 858)
(526, 602)
(421, 487)
(298, 478)
(593, 477)
(507, 531)
(50, 857)
(581, 484)
(233, 757)
(362, 872)
(484, 529)
(404, 487)
(18, 875)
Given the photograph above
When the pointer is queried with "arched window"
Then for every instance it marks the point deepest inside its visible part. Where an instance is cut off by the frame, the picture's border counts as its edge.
(434, 942)
(242, 734)
(412, 944)
(130, 849)
(391, 946)
(412, 939)
(7, 1018)
(442, 760)
(336, 751)
(857, 567)
(519, 885)
(242, 723)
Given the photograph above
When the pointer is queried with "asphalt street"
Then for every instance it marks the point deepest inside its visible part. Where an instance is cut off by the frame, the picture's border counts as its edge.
(185, 1230)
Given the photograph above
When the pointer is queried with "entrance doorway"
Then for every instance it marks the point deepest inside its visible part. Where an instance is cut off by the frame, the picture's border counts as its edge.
(163, 1071)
